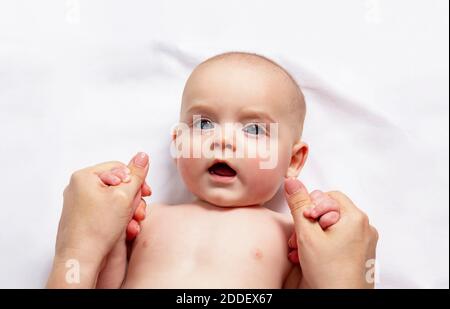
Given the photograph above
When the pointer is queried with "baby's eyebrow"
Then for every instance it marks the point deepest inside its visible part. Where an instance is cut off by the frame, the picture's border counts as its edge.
(246, 113)
(249, 113)
(200, 107)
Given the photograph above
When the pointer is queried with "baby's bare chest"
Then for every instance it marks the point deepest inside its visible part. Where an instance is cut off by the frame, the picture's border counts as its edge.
(197, 239)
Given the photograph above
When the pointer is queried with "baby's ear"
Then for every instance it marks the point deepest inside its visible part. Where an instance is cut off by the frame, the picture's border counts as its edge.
(176, 131)
(173, 137)
(298, 159)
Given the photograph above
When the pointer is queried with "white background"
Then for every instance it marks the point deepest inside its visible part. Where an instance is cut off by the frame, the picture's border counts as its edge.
(83, 82)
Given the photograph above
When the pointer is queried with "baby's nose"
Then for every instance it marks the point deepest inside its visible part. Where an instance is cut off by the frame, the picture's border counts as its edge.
(223, 145)
(224, 140)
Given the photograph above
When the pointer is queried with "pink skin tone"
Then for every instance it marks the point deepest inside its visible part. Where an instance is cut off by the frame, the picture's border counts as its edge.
(244, 90)
(326, 211)
(232, 98)
(115, 177)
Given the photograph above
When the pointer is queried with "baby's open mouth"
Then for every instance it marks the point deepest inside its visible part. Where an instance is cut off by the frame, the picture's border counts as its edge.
(222, 169)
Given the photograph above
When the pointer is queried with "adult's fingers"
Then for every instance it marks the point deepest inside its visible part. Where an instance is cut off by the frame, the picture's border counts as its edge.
(136, 201)
(139, 168)
(85, 177)
(375, 234)
(297, 196)
(292, 241)
(298, 200)
(139, 214)
(293, 257)
(345, 203)
(133, 229)
(145, 189)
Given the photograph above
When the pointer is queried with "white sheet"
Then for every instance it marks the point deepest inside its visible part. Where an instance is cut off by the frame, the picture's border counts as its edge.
(83, 82)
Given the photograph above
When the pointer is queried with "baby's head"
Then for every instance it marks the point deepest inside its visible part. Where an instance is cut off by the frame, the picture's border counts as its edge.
(242, 117)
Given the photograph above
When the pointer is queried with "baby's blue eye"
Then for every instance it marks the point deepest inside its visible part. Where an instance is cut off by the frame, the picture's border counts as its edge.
(254, 129)
(204, 124)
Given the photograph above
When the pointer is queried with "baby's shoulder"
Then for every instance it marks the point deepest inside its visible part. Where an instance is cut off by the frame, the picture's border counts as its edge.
(164, 207)
(156, 207)
(283, 219)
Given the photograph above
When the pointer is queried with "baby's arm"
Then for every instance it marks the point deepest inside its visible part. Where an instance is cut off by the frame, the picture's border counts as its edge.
(326, 211)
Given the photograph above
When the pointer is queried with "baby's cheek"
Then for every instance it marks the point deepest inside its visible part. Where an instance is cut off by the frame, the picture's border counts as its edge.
(189, 170)
(265, 173)
(261, 184)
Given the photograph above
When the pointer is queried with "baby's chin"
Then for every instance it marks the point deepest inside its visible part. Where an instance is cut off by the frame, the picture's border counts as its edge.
(223, 198)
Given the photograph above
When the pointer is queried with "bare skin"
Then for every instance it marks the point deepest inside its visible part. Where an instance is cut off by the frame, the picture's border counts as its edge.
(233, 247)
(331, 257)
(94, 221)
(338, 257)
(226, 238)
(242, 247)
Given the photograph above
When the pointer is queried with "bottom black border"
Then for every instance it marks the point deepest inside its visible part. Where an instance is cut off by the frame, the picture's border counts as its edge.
(221, 298)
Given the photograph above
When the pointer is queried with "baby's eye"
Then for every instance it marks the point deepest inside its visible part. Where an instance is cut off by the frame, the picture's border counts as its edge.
(254, 129)
(204, 124)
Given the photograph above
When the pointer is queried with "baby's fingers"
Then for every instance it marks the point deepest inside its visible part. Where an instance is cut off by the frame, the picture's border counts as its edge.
(109, 179)
(115, 176)
(323, 204)
(329, 219)
(123, 173)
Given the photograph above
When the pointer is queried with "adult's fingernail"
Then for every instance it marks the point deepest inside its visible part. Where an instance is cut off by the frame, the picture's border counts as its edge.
(141, 159)
(292, 185)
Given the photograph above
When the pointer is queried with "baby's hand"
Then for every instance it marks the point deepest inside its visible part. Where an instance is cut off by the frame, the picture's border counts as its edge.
(326, 211)
(115, 177)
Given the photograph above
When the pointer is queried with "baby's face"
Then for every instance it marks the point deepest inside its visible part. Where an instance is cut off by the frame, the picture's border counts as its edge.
(240, 135)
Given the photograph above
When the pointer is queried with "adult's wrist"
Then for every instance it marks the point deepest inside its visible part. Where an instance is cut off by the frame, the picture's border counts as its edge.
(74, 268)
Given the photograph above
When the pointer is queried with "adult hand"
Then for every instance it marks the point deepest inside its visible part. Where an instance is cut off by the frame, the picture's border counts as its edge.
(343, 255)
(93, 218)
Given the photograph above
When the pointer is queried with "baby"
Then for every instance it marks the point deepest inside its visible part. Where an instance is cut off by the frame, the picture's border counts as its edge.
(239, 136)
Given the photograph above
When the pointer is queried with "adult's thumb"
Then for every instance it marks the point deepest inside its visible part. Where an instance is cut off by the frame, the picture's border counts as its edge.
(297, 195)
(298, 199)
(138, 166)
